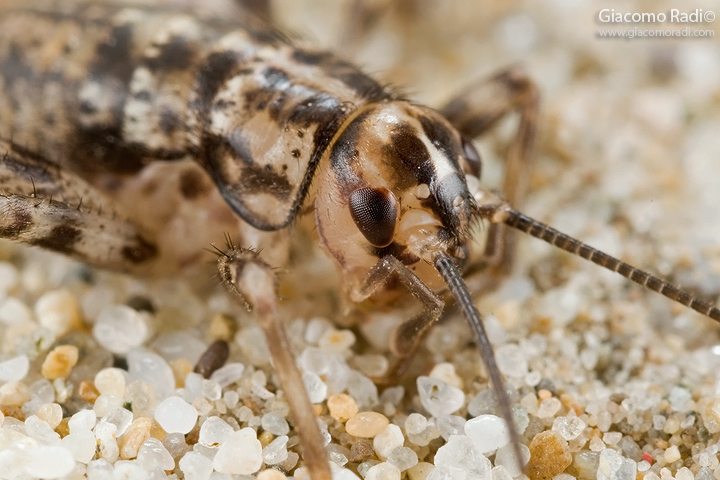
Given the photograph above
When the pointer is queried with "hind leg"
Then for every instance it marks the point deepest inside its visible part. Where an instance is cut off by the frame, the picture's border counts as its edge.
(43, 205)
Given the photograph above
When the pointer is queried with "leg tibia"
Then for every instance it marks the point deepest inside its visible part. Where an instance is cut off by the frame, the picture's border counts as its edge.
(45, 206)
(254, 282)
(90, 237)
(408, 335)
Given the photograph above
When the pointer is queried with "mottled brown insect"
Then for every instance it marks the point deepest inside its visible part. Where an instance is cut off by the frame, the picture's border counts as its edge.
(191, 127)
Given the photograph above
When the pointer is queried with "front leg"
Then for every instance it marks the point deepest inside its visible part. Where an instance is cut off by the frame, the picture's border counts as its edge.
(42, 205)
(407, 336)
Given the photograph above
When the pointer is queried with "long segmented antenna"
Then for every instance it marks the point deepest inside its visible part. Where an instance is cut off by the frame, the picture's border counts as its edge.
(565, 242)
(459, 291)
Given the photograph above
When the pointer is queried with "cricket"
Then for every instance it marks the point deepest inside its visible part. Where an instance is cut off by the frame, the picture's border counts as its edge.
(136, 137)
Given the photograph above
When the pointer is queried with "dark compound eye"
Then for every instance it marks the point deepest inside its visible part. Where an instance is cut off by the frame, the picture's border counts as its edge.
(471, 162)
(374, 211)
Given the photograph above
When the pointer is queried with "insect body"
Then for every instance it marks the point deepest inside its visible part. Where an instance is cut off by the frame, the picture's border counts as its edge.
(120, 89)
(155, 106)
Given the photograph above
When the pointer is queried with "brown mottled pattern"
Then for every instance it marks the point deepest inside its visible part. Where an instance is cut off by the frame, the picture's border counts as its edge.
(106, 89)
(23, 172)
(63, 228)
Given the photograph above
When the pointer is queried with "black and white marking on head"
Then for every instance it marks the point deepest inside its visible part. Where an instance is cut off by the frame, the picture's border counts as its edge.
(401, 147)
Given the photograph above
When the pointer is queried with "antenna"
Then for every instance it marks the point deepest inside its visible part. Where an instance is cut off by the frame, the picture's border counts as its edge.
(498, 211)
(503, 213)
(459, 291)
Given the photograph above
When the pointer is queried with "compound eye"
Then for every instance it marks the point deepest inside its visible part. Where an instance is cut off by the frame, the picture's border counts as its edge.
(374, 211)
(471, 159)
